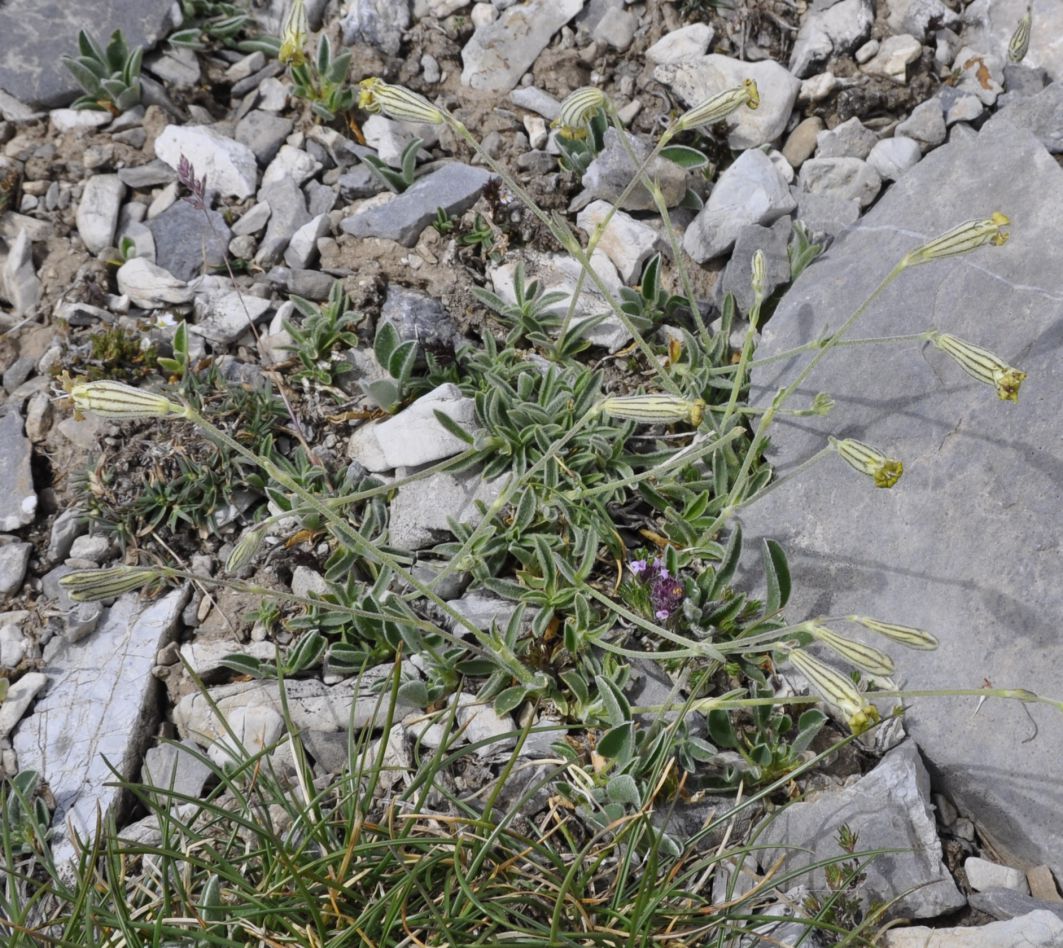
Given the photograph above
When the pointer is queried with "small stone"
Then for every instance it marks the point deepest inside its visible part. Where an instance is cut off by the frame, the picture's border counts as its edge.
(97, 214)
(20, 284)
(455, 187)
(499, 53)
(966, 108)
(245, 67)
(302, 248)
(627, 242)
(608, 175)
(272, 95)
(14, 560)
(229, 166)
(68, 526)
(919, 17)
(14, 646)
(174, 767)
(830, 30)
(163, 199)
(737, 278)
(867, 51)
(377, 23)
(983, 874)
(750, 191)
(817, 88)
(307, 582)
(18, 500)
(264, 133)
(430, 70)
(149, 286)
(481, 723)
(177, 67)
(203, 658)
(535, 100)
(19, 697)
(483, 14)
(893, 58)
(417, 316)
(291, 164)
(688, 42)
(1004, 904)
(222, 313)
(39, 417)
(253, 220)
(848, 140)
(826, 214)
(253, 730)
(360, 183)
(842, 177)
(696, 80)
(535, 126)
(1043, 884)
(891, 157)
(1038, 929)
(617, 30)
(926, 124)
(421, 512)
(801, 143)
(288, 213)
(76, 120)
(189, 241)
(95, 548)
(151, 175)
(390, 138)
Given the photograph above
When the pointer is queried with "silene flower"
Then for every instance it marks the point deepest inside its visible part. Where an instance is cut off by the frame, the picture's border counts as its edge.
(981, 364)
(1020, 39)
(884, 471)
(396, 102)
(720, 106)
(654, 409)
(577, 109)
(95, 585)
(836, 689)
(120, 401)
(966, 237)
(293, 35)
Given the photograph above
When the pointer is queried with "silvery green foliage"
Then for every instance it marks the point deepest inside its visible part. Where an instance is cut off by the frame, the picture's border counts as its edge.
(110, 77)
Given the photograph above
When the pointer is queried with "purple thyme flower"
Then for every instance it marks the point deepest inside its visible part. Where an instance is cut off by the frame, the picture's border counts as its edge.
(666, 596)
(637, 567)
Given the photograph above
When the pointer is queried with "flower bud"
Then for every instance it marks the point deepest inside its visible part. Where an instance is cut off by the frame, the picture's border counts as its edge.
(720, 106)
(981, 364)
(397, 103)
(93, 585)
(857, 654)
(654, 409)
(118, 400)
(246, 548)
(862, 457)
(293, 35)
(905, 635)
(967, 236)
(837, 690)
(1020, 40)
(577, 109)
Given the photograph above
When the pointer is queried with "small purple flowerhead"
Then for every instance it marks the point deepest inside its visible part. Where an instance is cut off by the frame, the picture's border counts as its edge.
(666, 596)
(637, 567)
(661, 569)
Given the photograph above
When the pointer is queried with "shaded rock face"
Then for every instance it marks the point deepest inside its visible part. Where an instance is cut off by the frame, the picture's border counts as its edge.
(967, 544)
(34, 36)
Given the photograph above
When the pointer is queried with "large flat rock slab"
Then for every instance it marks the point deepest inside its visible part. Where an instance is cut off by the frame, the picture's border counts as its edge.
(35, 35)
(99, 711)
(967, 544)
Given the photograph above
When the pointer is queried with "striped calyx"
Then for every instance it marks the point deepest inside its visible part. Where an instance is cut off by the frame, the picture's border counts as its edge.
(966, 237)
(865, 657)
(981, 364)
(884, 471)
(94, 585)
(398, 103)
(654, 409)
(578, 108)
(118, 400)
(720, 106)
(1019, 45)
(902, 634)
(293, 35)
(836, 689)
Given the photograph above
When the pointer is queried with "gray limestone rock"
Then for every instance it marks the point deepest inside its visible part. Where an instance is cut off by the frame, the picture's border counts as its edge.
(20, 284)
(888, 808)
(422, 510)
(841, 177)
(377, 23)
(188, 242)
(264, 133)
(149, 286)
(18, 499)
(302, 248)
(97, 214)
(737, 277)
(14, 558)
(454, 187)
(851, 139)
(174, 766)
(956, 547)
(696, 80)
(420, 317)
(926, 124)
(499, 53)
(97, 714)
(830, 30)
(145, 177)
(608, 175)
(920, 18)
(627, 242)
(1042, 114)
(1007, 903)
(989, 25)
(750, 191)
(288, 213)
(891, 157)
(688, 42)
(229, 166)
(19, 697)
(222, 314)
(35, 36)
(1038, 929)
